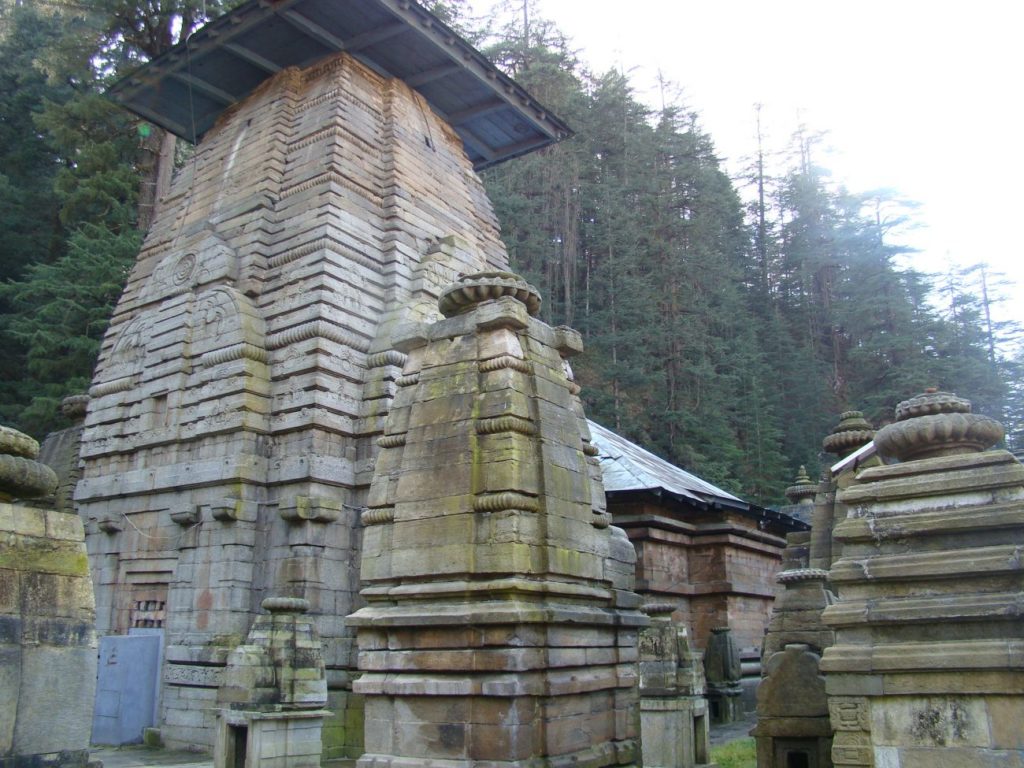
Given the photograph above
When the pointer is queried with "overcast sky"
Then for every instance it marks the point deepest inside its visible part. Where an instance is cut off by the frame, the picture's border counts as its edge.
(920, 97)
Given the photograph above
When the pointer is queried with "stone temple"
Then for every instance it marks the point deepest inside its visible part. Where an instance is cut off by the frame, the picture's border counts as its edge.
(240, 399)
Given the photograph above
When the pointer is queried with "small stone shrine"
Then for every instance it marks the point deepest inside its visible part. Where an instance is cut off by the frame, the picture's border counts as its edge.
(673, 710)
(273, 693)
(927, 668)
(723, 671)
(501, 623)
(793, 726)
(47, 629)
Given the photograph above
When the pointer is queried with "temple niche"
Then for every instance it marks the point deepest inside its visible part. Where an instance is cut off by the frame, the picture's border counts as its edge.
(249, 366)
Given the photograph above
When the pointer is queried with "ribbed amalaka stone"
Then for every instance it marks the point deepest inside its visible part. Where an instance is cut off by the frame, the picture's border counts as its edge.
(244, 381)
(500, 624)
(928, 663)
(47, 620)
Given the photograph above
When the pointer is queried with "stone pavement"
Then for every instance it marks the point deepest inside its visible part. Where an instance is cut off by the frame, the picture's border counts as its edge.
(133, 756)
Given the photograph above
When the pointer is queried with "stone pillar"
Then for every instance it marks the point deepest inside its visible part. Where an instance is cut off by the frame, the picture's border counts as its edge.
(723, 671)
(673, 710)
(852, 432)
(792, 712)
(928, 664)
(273, 693)
(47, 619)
(500, 624)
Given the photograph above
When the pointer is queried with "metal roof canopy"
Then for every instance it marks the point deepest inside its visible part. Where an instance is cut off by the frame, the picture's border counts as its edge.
(186, 89)
(627, 468)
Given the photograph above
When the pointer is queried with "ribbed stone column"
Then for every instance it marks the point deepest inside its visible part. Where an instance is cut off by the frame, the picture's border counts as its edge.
(928, 664)
(500, 625)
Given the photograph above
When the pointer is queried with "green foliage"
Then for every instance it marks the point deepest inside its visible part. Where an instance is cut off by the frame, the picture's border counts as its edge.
(736, 754)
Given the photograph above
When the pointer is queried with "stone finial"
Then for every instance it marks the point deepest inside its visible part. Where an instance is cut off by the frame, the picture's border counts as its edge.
(803, 490)
(470, 290)
(21, 476)
(852, 431)
(936, 424)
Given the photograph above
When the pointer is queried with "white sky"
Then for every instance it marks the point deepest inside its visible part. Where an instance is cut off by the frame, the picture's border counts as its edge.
(921, 97)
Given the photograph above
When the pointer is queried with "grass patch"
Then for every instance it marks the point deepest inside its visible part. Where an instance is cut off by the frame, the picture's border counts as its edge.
(735, 754)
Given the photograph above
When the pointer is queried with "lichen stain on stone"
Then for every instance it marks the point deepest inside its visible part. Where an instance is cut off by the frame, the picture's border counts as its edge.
(935, 724)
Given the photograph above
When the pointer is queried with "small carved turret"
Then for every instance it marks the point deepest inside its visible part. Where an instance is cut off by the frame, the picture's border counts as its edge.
(852, 432)
(803, 489)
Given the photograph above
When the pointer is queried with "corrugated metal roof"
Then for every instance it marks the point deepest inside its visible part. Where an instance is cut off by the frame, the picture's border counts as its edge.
(628, 467)
(189, 87)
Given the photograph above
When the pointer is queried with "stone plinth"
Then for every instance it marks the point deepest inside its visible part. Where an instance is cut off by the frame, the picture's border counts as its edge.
(723, 672)
(273, 693)
(928, 664)
(47, 620)
(500, 625)
(673, 710)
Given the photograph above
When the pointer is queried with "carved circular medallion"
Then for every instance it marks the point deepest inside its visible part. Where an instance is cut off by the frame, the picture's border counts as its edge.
(183, 269)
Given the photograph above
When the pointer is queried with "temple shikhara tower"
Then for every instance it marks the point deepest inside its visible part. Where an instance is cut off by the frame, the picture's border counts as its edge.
(239, 403)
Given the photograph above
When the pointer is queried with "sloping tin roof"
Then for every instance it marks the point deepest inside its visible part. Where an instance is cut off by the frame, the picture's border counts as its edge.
(628, 467)
(186, 89)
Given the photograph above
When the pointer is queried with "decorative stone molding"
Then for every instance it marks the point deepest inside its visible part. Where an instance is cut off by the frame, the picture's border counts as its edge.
(73, 407)
(231, 510)
(110, 387)
(936, 424)
(485, 286)
(496, 502)
(408, 381)
(505, 362)
(378, 515)
(509, 423)
(240, 351)
(801, 574)
(391, 441)
(187, 517)
(387, 357)
(110, 524)
(317, 329)
(312, 508)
